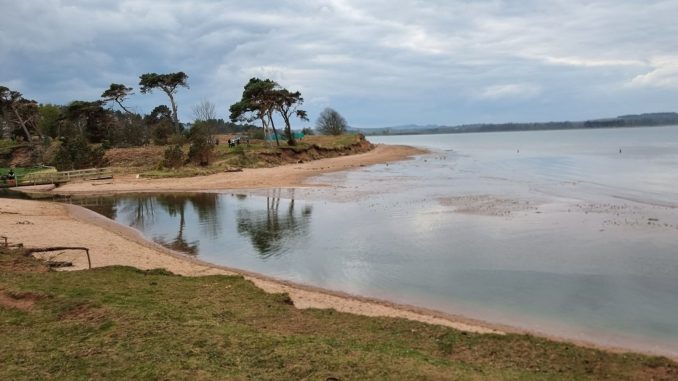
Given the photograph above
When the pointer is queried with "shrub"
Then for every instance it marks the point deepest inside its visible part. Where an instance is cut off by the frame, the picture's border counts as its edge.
(174, 157)
(201, 145)
(77, 154)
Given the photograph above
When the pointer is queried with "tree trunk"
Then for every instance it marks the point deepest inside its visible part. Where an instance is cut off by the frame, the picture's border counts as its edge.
(264, 126)
(35, 127)
(275, 132)
(23, 124)
(288, 129)
(123, 107)
(175, 117)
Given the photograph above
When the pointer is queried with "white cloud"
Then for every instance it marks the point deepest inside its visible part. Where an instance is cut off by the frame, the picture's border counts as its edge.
(664, 73)
(510, 91)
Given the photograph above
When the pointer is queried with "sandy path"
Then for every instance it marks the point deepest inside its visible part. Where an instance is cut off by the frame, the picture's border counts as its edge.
(39, 224)
(291, 175)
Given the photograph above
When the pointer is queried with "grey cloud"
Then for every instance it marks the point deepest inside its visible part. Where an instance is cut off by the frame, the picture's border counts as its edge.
(378, 62)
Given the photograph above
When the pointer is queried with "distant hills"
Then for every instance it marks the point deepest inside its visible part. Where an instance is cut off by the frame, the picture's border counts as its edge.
(640, 120)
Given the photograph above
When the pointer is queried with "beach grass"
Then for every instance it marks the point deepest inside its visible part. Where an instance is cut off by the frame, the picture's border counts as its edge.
(124, 323)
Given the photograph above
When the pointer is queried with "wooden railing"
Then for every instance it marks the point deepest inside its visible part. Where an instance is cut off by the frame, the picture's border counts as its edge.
(65, 176)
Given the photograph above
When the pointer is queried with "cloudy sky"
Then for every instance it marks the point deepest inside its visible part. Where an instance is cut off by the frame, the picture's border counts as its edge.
(378, 62)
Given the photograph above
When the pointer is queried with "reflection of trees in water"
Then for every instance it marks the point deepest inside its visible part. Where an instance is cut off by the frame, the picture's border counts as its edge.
(269, 228)
(143, 211)
(106, 206)
(176, 205)
(205, 205)
(140, 211)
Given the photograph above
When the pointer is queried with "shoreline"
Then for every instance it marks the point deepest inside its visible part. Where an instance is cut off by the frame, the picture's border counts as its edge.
(284, 176)
(130, 248)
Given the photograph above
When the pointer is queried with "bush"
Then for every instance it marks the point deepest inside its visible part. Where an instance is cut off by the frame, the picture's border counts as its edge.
(201, 145)
(161, 133)
(174, 157)
(77, 154)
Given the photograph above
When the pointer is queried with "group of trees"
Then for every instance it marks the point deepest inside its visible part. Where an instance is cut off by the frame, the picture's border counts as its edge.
(261, 99)
(25, 118)
(110, 122)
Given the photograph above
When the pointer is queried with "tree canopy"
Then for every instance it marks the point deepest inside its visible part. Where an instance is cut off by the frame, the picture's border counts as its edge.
(287, 104)
(117, 93)
(168, 83)
(257, 102)
(262, 98)
(21, 112)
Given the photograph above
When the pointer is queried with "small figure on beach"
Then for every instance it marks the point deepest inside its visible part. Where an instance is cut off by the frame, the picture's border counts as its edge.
(620, 150)
(11, 177)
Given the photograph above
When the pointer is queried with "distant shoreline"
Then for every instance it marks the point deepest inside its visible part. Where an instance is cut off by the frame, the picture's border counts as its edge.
(628, 121)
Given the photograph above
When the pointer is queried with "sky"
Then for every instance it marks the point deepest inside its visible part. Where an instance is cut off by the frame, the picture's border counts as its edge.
(379, 63)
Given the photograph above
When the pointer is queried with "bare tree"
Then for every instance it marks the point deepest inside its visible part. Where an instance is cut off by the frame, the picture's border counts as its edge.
(205, 114)
(204, 111)
(330, 122)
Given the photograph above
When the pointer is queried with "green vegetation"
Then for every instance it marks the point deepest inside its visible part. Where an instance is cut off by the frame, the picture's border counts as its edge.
(256, 154)
(123, 323)
(82, 133)
(168, 83)
(261, 99)
(21, 172)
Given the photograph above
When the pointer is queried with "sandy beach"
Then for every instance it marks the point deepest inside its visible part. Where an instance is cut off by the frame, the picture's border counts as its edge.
(285, 176)
(42, 224)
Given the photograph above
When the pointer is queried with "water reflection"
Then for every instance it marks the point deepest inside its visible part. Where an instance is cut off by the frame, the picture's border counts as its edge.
(270, 229)
(183, 222)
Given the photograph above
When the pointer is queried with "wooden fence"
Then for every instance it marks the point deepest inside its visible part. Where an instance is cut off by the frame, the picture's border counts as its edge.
(64, 177)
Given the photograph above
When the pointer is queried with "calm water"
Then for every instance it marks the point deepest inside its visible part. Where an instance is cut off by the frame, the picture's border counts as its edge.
(556, 232)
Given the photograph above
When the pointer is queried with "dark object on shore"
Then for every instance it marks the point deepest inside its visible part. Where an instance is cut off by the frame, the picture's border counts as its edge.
(58, 264)
(30, 251)
(233, 169)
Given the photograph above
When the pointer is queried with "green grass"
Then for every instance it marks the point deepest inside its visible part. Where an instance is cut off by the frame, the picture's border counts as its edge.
(22, 171)
(256, 155)
(123, 323)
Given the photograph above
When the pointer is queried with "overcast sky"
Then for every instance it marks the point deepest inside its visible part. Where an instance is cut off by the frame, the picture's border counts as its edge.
(378, 62)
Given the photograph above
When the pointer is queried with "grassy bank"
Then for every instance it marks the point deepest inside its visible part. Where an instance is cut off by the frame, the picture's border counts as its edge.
(256, 154)
(123, 323)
